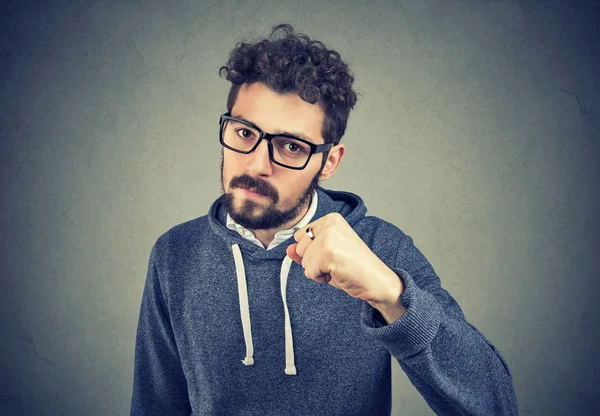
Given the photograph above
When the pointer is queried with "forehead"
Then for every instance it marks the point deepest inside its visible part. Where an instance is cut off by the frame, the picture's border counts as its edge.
(278, 113)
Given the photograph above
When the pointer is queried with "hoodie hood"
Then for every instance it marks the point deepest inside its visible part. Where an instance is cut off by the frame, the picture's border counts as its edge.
(349, 205)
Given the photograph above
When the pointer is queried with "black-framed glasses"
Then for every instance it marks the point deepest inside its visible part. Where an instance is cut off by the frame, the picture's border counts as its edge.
(284, 150)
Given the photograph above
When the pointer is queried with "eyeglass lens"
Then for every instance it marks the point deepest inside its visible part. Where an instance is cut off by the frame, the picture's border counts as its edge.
(243, 137)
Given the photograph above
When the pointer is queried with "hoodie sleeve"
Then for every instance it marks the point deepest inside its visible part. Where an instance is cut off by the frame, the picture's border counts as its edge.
(454, 367)
(159, 384)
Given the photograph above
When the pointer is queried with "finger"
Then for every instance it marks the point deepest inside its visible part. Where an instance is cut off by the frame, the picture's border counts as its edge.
(301, 233)
(303, 244)
(292, 253)
(314, 226)
(335, 284)
(320, 278)
(312, 268)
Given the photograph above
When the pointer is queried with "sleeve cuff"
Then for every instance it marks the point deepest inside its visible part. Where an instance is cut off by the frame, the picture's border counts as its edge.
(414, 331)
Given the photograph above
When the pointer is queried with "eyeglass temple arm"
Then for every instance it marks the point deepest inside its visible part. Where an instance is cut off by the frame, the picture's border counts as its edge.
(323, 147)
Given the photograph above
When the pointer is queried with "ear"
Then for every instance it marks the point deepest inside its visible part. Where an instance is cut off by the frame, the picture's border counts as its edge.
(334, 157)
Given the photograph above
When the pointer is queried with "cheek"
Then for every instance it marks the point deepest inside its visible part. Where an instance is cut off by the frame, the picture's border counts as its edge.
(229, 168)
(292, 188)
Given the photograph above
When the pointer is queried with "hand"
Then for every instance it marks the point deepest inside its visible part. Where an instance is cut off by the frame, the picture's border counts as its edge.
(338, 256)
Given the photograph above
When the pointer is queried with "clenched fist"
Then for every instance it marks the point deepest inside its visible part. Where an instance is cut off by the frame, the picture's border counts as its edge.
(335, 254)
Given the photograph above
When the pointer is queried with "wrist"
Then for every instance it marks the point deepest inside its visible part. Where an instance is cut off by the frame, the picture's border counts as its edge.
(388, 304)
(391, 312)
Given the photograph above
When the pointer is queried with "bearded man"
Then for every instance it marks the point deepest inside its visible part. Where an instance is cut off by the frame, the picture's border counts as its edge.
(286, 299)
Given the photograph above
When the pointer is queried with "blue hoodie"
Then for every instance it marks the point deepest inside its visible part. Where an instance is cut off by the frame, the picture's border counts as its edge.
(229, 328)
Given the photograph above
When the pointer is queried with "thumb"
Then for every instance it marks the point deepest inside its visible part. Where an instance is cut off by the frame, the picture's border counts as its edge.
(291, 252)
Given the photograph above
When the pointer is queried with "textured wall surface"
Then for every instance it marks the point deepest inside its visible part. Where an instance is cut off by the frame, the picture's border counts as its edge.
(477, 132)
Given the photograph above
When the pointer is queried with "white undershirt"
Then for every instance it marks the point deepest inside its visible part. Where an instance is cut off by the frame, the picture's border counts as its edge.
(280, 236)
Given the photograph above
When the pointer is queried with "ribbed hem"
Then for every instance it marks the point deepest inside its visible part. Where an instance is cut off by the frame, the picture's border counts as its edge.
(414, 331)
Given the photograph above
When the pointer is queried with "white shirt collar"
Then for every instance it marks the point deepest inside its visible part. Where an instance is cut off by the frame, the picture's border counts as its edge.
(280, 236)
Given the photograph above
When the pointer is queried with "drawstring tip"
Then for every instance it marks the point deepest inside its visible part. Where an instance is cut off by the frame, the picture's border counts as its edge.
(291, 370)
(248, 361)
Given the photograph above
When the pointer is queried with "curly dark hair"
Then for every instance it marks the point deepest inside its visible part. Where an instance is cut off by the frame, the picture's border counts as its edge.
(293, 63)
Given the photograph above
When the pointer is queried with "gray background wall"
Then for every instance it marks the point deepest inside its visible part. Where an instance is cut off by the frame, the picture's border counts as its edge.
(477, 133)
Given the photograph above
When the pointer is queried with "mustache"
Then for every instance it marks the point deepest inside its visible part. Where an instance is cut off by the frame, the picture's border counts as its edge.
(255, 185)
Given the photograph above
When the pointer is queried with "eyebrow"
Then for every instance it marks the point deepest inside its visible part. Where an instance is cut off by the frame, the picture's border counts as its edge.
(287, 133)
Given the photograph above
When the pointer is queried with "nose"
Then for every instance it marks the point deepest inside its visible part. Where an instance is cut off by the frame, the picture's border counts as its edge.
(259, 162)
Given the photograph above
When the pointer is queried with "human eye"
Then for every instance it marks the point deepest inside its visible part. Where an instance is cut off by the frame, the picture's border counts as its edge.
(294, 148)
(245, 133)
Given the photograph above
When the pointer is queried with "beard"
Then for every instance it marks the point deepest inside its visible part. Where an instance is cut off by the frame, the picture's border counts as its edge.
(255, 216)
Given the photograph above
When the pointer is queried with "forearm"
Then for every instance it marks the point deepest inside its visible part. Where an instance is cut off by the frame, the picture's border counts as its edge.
(461, 373)
(451, 364)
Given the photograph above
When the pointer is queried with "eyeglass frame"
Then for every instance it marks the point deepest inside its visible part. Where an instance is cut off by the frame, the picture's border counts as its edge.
(314, 148)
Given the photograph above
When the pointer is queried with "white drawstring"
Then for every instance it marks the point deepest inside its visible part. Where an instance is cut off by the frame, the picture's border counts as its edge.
(290, 367)
(244, 308)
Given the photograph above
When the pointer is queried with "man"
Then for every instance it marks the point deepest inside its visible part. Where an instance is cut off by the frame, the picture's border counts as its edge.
(286, 299)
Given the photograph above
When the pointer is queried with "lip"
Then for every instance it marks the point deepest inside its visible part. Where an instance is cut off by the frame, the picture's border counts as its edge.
(250, 194)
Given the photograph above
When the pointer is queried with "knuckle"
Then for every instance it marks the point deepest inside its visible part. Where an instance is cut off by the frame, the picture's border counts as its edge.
(329, 247)
(305, 265)
(334, 219)
(327, 254)
(331, 218)
(309, 274)
(339, 217)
